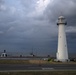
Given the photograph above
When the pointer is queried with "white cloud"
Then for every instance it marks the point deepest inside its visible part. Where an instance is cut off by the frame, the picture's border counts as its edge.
(41, 6)
(13, 10)
(2, 7)
(71, 29)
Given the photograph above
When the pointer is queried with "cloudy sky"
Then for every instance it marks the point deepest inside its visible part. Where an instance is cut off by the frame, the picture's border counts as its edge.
(30, 25)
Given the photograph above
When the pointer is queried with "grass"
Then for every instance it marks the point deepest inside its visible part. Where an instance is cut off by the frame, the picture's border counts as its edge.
(14, 61)
(23, 62)
(40, 73)
(31, 62)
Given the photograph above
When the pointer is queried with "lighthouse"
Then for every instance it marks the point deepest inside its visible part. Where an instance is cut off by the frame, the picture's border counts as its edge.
(62, 51)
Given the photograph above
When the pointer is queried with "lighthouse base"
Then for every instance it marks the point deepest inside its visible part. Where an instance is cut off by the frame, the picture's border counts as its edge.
(62, 60)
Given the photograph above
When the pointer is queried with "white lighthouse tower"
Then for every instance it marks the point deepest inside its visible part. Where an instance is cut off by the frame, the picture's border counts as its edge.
(62, 52)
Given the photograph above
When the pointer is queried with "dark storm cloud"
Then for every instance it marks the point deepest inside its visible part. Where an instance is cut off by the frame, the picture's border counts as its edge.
(22, 26)
(66, 8)
(62, 7)
(1, 5)
(1, 2)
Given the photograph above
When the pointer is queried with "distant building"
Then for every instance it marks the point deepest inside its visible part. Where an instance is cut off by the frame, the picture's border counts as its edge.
(4, 54)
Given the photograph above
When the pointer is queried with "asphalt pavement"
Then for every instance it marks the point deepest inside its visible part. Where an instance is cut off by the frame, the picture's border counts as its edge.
(25, 67)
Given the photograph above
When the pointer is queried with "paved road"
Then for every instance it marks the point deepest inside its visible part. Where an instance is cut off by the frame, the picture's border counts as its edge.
(8, 67)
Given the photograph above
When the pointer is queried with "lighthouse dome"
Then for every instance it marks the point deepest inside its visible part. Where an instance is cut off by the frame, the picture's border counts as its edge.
(61, 17)
(61, 20)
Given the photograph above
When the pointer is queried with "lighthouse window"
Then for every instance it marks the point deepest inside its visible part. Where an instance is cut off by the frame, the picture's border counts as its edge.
(60, 36)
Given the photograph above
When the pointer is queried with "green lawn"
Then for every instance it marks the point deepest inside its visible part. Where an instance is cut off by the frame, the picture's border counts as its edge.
(40, 73)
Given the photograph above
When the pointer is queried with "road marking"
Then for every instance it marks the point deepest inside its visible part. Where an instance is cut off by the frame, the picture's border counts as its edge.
(47, 68)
